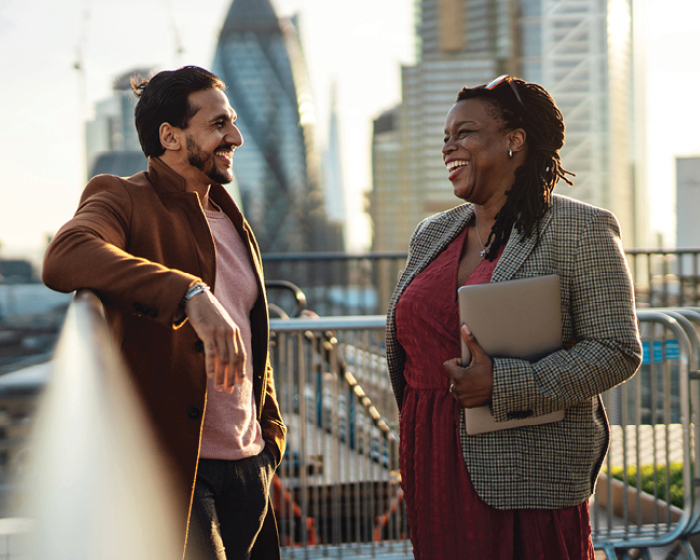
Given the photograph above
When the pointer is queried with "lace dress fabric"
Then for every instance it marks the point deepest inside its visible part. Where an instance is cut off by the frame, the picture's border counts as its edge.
(447, 519)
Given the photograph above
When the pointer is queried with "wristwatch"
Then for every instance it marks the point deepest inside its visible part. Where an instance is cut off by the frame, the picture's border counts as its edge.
(198, 288)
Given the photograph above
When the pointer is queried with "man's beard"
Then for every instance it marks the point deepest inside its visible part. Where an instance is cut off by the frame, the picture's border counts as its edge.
(205, 162)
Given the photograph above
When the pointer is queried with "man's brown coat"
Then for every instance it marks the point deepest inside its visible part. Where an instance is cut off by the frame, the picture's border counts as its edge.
(140, 243)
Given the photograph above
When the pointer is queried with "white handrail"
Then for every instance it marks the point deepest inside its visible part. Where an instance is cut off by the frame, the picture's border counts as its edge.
(97, 489)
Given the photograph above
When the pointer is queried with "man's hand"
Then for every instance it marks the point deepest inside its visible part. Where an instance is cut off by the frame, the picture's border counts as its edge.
(471, 386)
(224, 352)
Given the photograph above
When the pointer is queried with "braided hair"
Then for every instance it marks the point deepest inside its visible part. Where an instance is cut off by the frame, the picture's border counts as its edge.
(528, 199)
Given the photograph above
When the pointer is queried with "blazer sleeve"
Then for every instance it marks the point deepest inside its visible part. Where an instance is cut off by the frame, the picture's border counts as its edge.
(607, 350)
(90, 251)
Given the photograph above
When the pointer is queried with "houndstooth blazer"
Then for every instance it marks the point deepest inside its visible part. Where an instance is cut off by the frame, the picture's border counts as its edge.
(550, 465)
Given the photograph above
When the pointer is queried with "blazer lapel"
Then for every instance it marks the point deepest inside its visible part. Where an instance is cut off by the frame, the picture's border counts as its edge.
(436, 235)
(517, 250)
(443, 233)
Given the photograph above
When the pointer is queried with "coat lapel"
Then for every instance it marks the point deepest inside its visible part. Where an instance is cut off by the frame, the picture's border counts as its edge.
(517, 250)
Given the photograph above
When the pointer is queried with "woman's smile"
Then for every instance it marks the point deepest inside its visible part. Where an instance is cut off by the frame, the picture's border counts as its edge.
(455, 167)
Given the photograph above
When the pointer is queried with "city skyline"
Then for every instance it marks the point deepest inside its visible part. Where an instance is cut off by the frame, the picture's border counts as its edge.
(45, 101)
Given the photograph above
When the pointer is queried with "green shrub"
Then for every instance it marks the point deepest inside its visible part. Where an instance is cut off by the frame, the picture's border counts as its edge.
(647, 479)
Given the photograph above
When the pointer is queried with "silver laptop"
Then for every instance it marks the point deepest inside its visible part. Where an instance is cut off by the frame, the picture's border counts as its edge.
(512, 319)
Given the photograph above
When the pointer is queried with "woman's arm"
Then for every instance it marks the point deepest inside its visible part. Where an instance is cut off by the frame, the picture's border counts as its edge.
(607, 350)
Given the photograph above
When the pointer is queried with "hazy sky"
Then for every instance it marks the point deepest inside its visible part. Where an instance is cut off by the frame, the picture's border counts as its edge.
(360, 44)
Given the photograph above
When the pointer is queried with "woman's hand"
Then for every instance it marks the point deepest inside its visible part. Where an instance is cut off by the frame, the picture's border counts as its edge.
(471, 386)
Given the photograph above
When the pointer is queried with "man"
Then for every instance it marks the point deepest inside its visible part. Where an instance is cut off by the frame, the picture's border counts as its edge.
(179, 273)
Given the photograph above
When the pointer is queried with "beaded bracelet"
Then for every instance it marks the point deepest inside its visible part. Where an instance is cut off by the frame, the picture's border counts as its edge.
(198, 288)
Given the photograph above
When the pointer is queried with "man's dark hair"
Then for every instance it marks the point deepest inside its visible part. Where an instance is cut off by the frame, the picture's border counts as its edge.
(164, 99)
(528, 199)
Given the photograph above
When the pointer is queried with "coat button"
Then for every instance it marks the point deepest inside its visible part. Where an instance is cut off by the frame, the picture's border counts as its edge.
(194, 413)
(199, 346)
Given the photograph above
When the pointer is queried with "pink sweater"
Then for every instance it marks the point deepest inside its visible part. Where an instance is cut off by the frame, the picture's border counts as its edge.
(231, 429)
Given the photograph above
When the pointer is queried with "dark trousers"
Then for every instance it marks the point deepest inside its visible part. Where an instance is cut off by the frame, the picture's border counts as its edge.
(229, 506)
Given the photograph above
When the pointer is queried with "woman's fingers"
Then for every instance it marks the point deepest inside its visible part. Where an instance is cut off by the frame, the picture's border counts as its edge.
(454, 368)
(472, 343)
(458, 375)
(472, 386)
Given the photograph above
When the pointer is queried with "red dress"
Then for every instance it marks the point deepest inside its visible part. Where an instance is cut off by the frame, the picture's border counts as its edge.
(448, 520)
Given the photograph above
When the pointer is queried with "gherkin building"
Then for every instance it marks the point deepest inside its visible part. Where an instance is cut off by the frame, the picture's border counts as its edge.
(277, 169)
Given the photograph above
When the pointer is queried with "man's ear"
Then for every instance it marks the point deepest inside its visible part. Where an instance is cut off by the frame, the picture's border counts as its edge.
(517, 139)
(171, 137)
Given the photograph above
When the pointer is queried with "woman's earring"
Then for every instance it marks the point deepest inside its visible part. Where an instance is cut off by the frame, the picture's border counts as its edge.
(510, 154)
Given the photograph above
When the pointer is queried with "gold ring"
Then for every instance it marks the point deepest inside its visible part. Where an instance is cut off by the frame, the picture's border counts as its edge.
(452, 388)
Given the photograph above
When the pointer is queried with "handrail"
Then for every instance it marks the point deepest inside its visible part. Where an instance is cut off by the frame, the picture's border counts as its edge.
(96, 481)
(328, 323)
(298, 294)
(92, 437)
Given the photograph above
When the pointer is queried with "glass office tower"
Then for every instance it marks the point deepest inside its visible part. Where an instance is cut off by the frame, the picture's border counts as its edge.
(277, 170)
(580, 50)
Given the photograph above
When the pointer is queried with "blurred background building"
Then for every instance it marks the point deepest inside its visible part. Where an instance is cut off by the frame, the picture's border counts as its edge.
(31, 316)
(580, 50)
(278, 169)
(111, 141)
(687, 202)
(333, 182)
(387, 213)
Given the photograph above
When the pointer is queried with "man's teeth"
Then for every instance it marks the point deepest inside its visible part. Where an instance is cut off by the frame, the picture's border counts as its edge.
(455, 164)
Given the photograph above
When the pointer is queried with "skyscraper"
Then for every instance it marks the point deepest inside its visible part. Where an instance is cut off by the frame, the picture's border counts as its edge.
(334, 189)
(111, 141)
(687, 202)
(260, 59)
(387, 191)
(580, 50)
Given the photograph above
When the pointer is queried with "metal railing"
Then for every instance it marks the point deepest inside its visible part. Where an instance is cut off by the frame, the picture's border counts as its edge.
(94, 480)
(665, 278)
(361, 284)
(651, 462)
(341, 468)
(653, 418)
(338, 284)
(337, 493)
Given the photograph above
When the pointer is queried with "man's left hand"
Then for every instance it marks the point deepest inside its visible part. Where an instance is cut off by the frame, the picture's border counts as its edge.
(224, 350)
(472, 386)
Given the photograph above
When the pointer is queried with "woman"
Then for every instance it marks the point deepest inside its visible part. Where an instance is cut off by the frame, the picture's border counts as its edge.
(519, 493)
